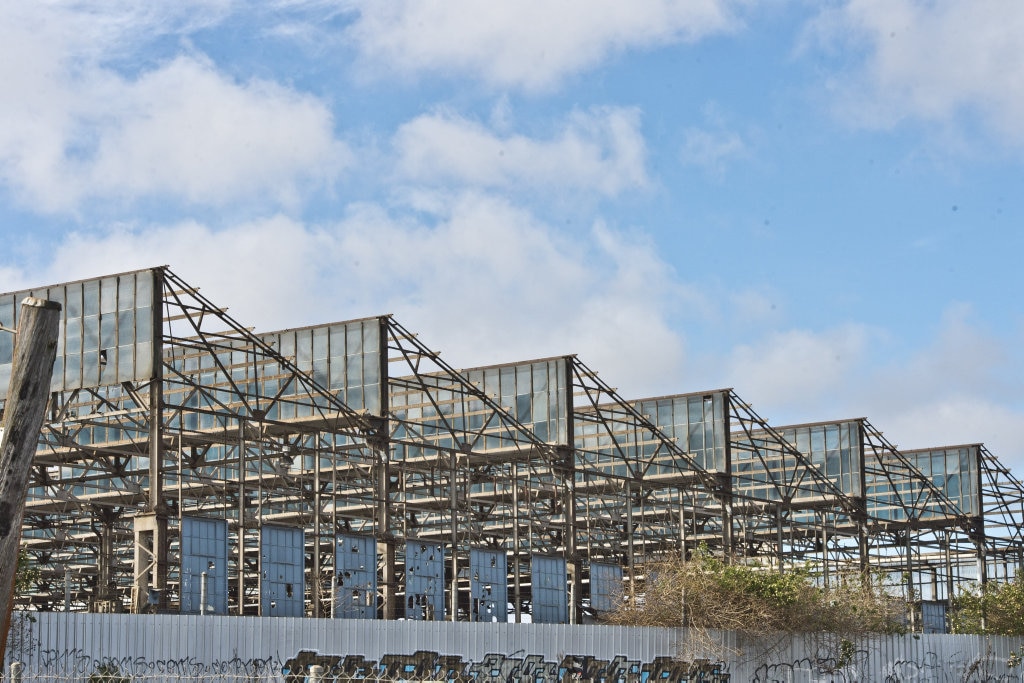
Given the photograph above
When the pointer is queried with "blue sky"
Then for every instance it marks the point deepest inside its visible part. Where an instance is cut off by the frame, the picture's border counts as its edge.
(816, 203)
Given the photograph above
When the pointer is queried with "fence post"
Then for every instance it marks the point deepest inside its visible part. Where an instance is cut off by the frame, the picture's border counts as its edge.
(35, 348)
(316, 673)
(16, 668)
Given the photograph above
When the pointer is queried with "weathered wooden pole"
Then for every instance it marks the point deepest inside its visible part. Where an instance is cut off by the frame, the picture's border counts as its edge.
(35, 348)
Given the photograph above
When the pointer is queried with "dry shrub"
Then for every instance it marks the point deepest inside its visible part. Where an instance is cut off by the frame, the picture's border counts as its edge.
(757, 602)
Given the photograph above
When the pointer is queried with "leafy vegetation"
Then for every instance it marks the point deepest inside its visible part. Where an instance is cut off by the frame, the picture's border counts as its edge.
(108, 673)
(707, 593)
(990, 609)
(26, 574)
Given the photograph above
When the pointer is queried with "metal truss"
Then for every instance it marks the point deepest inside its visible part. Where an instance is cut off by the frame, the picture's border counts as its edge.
(359, 428)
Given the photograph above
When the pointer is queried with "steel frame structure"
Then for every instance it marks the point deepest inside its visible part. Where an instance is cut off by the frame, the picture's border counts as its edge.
(164, 407)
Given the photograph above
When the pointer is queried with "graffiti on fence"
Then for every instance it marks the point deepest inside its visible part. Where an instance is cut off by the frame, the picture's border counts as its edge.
(928, 667)
(78, 662)
(494, 668)
(841, 663)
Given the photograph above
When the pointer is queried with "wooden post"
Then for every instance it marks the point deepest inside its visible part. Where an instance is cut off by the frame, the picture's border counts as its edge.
(35, 349)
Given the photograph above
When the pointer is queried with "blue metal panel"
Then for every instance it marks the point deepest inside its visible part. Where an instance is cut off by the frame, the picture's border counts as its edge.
(933, 616)
(605, 586)
(424, 580)
(355, 567)
(488, 585)
(282, 571)
(204, 548)
(550, 596)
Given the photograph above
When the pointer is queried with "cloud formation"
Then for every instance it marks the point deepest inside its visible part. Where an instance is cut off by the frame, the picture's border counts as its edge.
(712, 150)
(524, 44)
(73, 129)
(481, 279)
(931, 61)
(485, 281)
(602, 150)
(799, 371)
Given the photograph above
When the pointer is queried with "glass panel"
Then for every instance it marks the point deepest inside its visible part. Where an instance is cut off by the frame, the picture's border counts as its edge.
(371, 336)
(108, 365)
(73, 308)
(6, 347)
(108, 331)
(108, 295)
(144, 326)
(303, 350)
(371, 369)
(125, 363)
(7, 311)
(126, 293)
(319, 343)
(91, 333)
(125, 328)
(91, 298)
(336, 373)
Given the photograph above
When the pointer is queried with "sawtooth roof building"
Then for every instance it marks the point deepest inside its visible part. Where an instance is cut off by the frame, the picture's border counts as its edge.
(188, 464)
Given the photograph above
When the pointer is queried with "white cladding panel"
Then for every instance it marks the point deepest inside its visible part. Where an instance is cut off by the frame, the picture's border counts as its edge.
(175, 647)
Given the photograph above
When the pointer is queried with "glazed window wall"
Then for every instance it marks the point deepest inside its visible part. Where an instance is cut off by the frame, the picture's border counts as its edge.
(534, 393)
(549, 590)
(436, 414)
(445, 414)
(105, 336)
(282, 583)
(834, 448)
(613, 441)
(424, 580)
(697, 423)
(955, 472)
(343, 357)
(488, 585)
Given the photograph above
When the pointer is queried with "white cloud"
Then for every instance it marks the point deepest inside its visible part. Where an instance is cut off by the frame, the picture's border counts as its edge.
(962, 387)
(800, 371)
(932, 61)
(262, 271)
(482, 280)
(963, 359)
(529, 44)
(756, 307)
(954, 421)
(491, 283)
(73, 130)
(602, 150)
(712, 150)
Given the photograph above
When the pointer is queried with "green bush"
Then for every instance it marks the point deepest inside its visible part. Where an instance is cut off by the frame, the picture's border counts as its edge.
(992, 609)
(27, 574)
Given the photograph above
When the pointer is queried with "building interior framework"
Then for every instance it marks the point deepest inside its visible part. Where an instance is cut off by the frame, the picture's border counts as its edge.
(190, 464)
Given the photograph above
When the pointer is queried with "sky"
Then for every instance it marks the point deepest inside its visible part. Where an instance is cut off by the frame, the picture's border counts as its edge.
(818, 204)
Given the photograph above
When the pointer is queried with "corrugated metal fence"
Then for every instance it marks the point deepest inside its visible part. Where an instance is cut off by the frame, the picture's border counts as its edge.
(116, 648)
